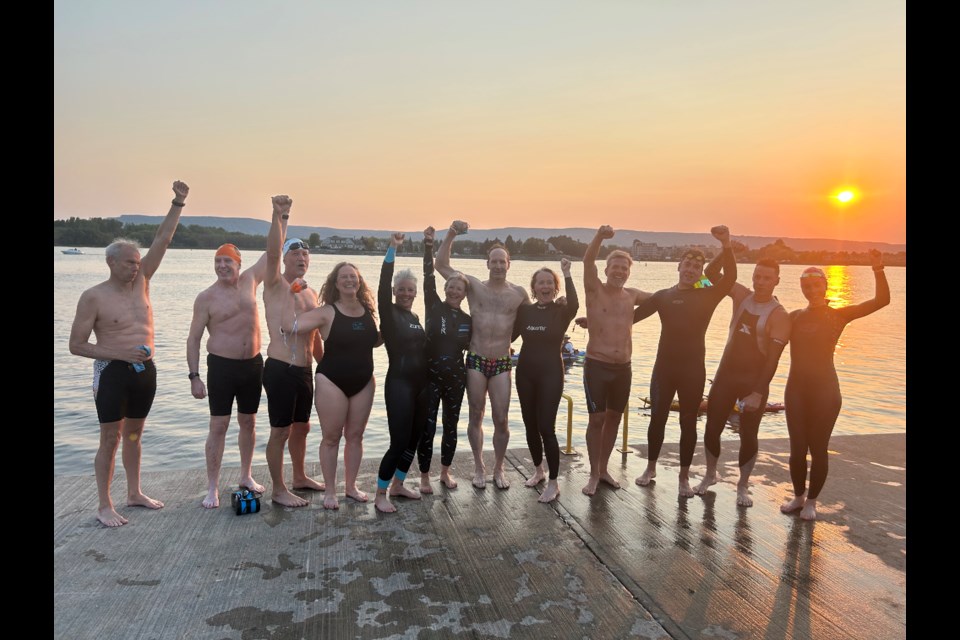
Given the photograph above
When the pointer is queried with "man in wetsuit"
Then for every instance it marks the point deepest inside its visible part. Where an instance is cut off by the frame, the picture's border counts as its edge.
(288, 371)
(685, 311)
(493, 305)
(227, 309)
(119, 313)
(759, 330)
(606, 369)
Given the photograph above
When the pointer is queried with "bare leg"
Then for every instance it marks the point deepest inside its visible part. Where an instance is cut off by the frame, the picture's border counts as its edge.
(382, 502)
(594, 451)
(477, 401)
(275, 446)
(538, 476)
(743, 486)
(425, 486)
(795, 504)
(710, 477)
(247, 440)
(214, 454)
(550, 492)
(446, 478)
(357, 416)
(332, 407)
(103, 465)
(132, 432)
(297, 446)
(499, 389)
(684, 483)
(611, 428)
(397, 489)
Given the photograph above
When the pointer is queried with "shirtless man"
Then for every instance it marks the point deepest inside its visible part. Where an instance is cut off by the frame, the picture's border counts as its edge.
(119, 313)
(227, 309)
(606, 369)
(759, 330)
(288, 371)
(493, 305)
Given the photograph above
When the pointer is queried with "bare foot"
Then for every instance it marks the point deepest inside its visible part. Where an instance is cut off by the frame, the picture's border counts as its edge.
(356, 494)
(397, 488)
(550, 492)
(330, 500)
(479, 479)
(212, 501)
(796, 504)
(591, 487)
(448, 480)
(140, 500)
(500, 479)
(648, 475)
(809, 511)
(743, 497)
(382, 502)
(684, 489)
(287, 499)
(425, 487)
(708, 481)
(308, 484)
(606, 477)
(110, 518)
(537, 477)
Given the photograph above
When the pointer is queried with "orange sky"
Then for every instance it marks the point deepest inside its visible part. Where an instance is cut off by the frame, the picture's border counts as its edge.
(642, 115)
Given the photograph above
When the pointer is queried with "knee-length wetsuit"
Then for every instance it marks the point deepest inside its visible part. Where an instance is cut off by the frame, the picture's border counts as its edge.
(812, 396)
(540, 372)
(404, 339)
(679, 368)
(448, 336)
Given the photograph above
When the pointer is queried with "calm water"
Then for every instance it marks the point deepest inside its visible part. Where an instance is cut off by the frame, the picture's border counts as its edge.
(870, 360)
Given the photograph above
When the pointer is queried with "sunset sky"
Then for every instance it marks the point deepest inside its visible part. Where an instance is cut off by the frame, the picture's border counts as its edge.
(382, 114)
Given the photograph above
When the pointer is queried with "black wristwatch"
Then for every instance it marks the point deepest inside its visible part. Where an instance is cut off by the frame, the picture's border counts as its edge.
(193, 374)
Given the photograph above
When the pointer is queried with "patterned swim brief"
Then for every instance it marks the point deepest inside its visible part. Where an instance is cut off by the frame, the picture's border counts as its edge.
(488, 366)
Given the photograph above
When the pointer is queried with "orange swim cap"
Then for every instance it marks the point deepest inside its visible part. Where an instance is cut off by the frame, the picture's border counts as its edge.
(229, 250)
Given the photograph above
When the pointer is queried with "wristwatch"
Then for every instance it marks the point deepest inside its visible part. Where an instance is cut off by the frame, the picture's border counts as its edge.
(193, 374)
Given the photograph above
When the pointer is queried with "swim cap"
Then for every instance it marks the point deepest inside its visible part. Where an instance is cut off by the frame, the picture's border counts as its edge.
(813, 272)
(293, 244)
(693, 254)
(229, 250)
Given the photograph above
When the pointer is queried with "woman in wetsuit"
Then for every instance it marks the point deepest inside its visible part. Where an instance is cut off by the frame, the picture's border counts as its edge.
(344, 380)
(543, 325)
(812, 395)
(448, 336)
(405, 340)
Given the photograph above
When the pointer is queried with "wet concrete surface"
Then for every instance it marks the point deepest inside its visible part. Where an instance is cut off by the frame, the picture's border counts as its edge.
(467, 563)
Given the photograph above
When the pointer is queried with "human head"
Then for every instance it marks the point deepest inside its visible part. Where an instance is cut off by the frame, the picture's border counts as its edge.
(813, 284)
(455, 289)
(618, 268)
(766, 277)
(404, 288)
(123, 259)
(342, 281)
(226, 262)
(544, 284)
(498, 261)
(296, 257)
(690, 267)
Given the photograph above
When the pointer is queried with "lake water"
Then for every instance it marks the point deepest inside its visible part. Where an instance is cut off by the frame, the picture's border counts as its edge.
(870, 360)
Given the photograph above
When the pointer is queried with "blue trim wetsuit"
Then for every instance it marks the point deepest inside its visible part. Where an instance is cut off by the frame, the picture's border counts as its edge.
(812, 396)
(679, 369)
(448, 336)
(405, 340)
(540, 372)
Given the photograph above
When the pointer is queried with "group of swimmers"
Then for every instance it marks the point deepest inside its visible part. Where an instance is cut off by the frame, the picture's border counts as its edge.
(450, 353)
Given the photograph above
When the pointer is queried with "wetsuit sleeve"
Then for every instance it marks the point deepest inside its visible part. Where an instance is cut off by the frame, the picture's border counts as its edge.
(646, 308)
(384, 297)
(712, 270)
(723, 287)
(573, 301)
(429, 279)
(762, 384)
(517, 324)
(880, 299)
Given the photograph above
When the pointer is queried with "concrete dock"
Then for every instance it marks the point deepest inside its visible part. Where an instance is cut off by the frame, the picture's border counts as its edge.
(468, 563)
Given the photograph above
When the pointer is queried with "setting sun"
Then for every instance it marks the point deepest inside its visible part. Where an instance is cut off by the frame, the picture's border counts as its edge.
(845, 196)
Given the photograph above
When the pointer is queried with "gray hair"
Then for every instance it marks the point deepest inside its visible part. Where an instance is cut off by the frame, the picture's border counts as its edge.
(114, 248)
(457, 275)
(404, 274)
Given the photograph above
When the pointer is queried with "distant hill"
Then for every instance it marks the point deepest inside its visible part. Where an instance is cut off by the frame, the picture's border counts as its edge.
(624, 237)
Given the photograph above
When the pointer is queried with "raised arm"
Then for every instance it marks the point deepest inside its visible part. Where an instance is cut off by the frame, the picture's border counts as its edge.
(201, 316)
(779, 324)
(385, 289)
(712, 271)
(259, 268)
(591, 280)
(722, 288)
(443, 255)
(151, 262)
(281, 212)
(430, 296)
(573, 301)
(881, 297)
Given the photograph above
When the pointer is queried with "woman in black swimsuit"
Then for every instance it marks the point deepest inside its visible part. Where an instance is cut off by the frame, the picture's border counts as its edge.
(344, 380)
(812, 395)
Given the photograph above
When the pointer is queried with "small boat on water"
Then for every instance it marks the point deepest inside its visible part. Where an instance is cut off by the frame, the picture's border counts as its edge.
(71, 252)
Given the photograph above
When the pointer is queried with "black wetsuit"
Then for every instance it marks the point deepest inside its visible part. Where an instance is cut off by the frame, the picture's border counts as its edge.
(812, 396)
(348, 351)
(448, 336)
(748, 363)
(405, 340)
(679, 369)
(540, 372)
